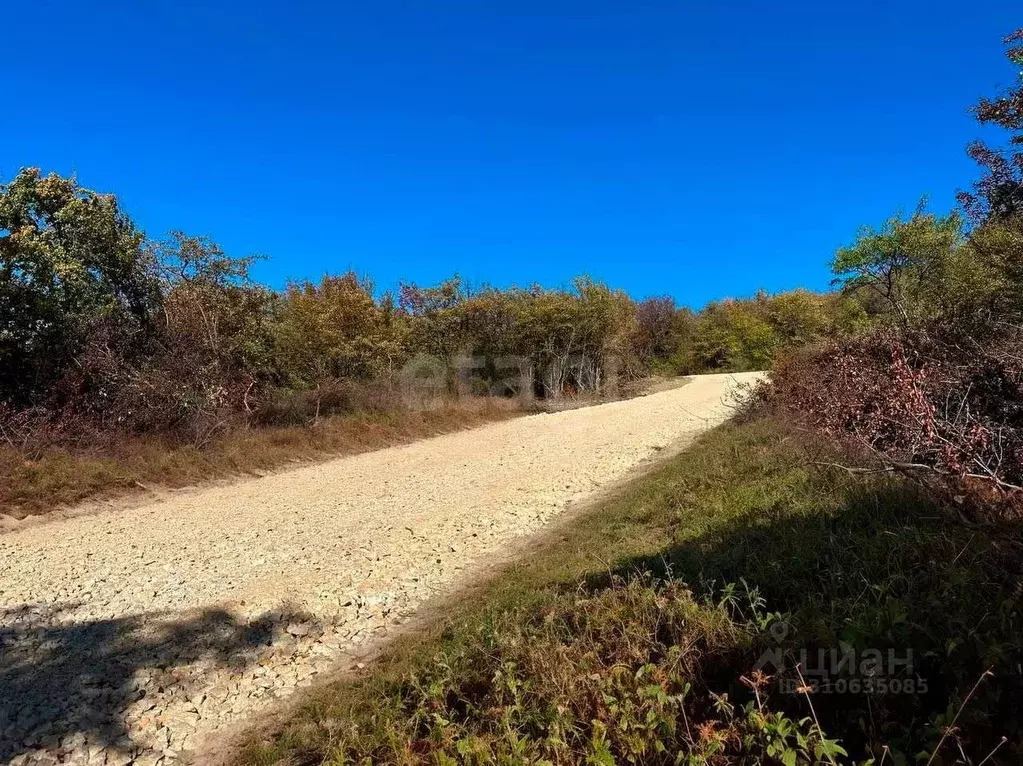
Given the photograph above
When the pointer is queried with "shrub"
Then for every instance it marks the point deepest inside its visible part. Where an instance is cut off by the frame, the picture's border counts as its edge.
(614, 676)
(940, 407)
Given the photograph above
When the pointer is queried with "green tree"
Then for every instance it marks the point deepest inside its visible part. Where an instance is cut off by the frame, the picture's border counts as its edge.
(995, 203)
(912, 265)
(212, 312)
(335, 329)
(69, 258)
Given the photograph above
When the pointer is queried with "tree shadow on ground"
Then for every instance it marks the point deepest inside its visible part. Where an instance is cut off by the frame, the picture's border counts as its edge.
(66, 684)
(886, 568)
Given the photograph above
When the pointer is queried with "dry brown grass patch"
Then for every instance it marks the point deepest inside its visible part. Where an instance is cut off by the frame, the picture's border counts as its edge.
(62, 476)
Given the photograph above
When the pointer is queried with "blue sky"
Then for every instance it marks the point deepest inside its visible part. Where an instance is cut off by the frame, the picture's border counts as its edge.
(699, 150)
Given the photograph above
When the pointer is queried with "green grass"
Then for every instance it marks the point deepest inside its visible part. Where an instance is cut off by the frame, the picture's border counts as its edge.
(632, 637)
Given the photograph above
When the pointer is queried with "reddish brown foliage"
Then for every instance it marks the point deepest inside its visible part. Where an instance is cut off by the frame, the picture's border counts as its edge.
(998, 194)
(948, 409)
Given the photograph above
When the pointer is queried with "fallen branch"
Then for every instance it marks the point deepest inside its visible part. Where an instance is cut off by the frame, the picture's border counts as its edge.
(901, 467)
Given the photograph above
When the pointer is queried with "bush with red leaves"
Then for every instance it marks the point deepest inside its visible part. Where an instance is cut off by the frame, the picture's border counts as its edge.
(927, 403)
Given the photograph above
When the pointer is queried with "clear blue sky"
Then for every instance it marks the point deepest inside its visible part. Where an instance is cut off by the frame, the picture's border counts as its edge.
(694, 149)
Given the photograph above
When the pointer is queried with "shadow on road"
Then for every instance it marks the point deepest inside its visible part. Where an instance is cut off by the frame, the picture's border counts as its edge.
(67, 685)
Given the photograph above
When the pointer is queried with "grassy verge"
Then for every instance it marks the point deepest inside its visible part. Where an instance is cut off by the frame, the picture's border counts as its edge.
(635, 635)
(60, 477)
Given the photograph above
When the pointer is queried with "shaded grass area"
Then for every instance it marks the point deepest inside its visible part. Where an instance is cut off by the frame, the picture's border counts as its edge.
(60, 477)
(636, 634)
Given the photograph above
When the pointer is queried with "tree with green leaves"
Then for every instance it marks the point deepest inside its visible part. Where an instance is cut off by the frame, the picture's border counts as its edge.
(69, 258)
(335, 329)
(995, 203)
(910, 264)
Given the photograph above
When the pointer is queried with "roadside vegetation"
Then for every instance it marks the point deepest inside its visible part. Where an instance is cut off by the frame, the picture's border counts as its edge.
(834, 578)
(125, 359)
(63, 476)
(933, 389)
(634, 636)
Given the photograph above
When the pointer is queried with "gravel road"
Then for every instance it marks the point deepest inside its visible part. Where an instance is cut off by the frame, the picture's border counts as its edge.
(129, 635)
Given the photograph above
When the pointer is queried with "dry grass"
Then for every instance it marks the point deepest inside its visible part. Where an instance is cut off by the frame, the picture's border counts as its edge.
(343, 419)
(61, 477)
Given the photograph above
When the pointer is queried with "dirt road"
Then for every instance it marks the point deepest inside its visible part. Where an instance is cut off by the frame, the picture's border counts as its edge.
(130, 634)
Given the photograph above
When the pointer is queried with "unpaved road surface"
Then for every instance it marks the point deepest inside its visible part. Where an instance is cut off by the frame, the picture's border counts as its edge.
(132, 634)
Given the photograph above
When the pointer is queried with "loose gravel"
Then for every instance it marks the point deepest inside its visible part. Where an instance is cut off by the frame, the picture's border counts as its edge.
(128, 636)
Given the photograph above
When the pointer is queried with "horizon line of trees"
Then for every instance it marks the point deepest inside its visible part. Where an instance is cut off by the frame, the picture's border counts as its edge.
(105, 329)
